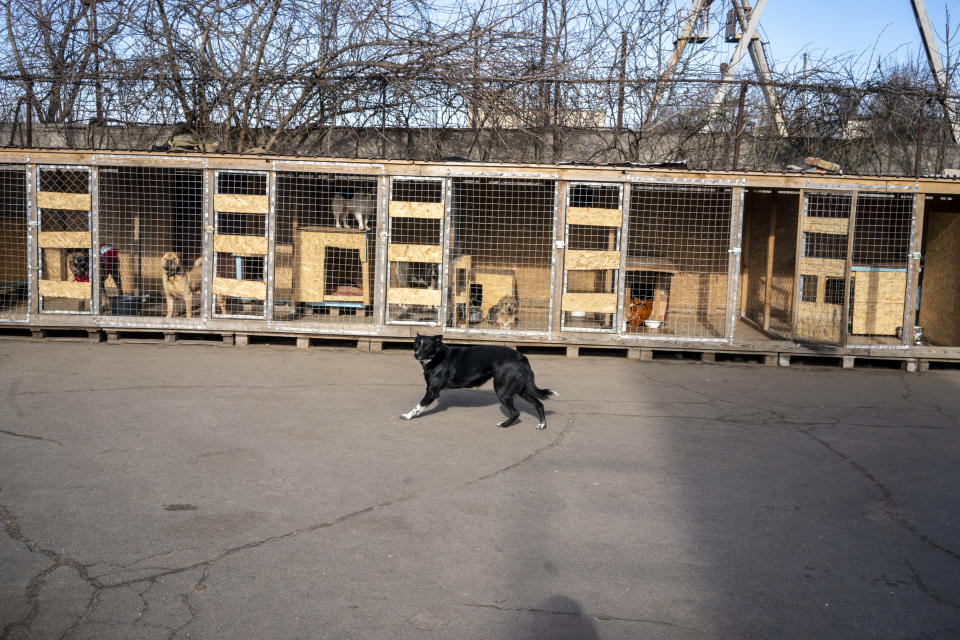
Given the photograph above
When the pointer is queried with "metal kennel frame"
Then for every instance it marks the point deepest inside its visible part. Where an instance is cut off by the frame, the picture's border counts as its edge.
(667, 224)
(515, 235)
(16, 243)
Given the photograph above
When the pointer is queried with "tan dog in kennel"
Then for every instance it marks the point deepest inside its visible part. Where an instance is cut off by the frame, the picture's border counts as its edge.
(180, 282)
(504, 313)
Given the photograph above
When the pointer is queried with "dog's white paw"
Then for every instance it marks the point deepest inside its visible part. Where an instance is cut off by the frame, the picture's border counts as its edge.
(541, 425)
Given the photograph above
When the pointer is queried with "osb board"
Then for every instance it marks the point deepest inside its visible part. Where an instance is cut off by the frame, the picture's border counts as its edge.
(309, 256)
(591, 260)
(496, 284)
(236, 203)
(823, 267)
(58, 289)
(595, 217)
(878, 298)
(819, 321)
(240, 288)
(835, 226)
(67, 201)
(698, 292)
(63, 239)
(13, 250)
(401, 209)
(425, 297)
(533, 285)
(940, 295)
(589, 302)
(415, 253)
(757, 212)
(240, 245)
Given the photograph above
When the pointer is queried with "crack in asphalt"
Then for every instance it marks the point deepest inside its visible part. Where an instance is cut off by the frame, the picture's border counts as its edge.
(58, 560)
(30, 437)
(892, 509)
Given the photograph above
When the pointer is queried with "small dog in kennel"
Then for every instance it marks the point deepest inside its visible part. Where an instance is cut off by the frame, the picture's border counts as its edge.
(349, 200)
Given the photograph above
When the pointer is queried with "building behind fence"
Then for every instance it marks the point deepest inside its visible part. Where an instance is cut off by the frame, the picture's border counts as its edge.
(563, 254)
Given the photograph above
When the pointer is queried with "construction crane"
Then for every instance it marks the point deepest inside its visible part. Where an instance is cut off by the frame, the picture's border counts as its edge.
(950, 107)
(740, 29)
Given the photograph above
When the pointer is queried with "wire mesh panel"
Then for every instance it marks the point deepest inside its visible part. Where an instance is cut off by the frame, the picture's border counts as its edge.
(415, 250)
(880, 260)
(677, 263)
(64, 239)
(501, 254)
(241, 207)
(150, 230)
(824, 239)
(325, 249)
(594, 219)
(14, 288)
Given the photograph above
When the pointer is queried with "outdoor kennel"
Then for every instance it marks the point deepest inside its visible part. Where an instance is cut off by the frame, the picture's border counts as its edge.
(624, 257)
(830, 266)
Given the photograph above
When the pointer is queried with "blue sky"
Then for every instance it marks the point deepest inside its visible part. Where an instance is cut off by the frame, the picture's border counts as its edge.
(850, 26)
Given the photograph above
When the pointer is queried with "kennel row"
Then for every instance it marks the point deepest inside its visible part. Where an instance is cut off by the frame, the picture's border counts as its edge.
(357, 252)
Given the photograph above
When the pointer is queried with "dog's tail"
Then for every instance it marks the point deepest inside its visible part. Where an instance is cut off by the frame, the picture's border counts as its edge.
(198, 262)
(543, 394)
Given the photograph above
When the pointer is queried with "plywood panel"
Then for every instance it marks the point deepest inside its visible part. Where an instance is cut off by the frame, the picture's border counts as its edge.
(591, 260)
(240, 245)
(594, 217)
(240, 288)
(823, 267)
(878, 299)
(426, 297)
(69, 201)
(235, 203)
(63, 240)
(940, 295)
(399, 209)
(58, 289)
(590, 302)
(836, 226)
(415, 253)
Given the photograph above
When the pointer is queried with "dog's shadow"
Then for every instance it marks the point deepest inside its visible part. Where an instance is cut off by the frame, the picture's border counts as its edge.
(453, 398)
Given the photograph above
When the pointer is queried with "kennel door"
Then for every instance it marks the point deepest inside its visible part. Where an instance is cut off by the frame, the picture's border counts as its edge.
(591, 266)
(823, 267)
(415, 250)
(64, 241)
(241, 206)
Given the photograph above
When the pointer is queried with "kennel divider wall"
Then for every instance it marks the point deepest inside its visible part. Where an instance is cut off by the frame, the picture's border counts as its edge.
(592, 257)
(15, 243)
(416, 235)
(65, 212)
(241, 209)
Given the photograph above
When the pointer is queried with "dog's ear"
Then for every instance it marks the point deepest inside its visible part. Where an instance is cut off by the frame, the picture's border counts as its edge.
(436, 339)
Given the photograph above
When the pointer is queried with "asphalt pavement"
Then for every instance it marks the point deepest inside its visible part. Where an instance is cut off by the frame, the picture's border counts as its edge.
(193, 491)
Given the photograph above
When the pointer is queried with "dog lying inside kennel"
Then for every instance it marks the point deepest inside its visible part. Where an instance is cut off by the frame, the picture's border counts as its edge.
(151, 241)
(501, 254)
(13, 242)
(325, 253)
(677, 264)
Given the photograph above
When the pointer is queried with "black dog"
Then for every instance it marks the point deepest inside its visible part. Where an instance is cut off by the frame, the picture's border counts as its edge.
(446, 367)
